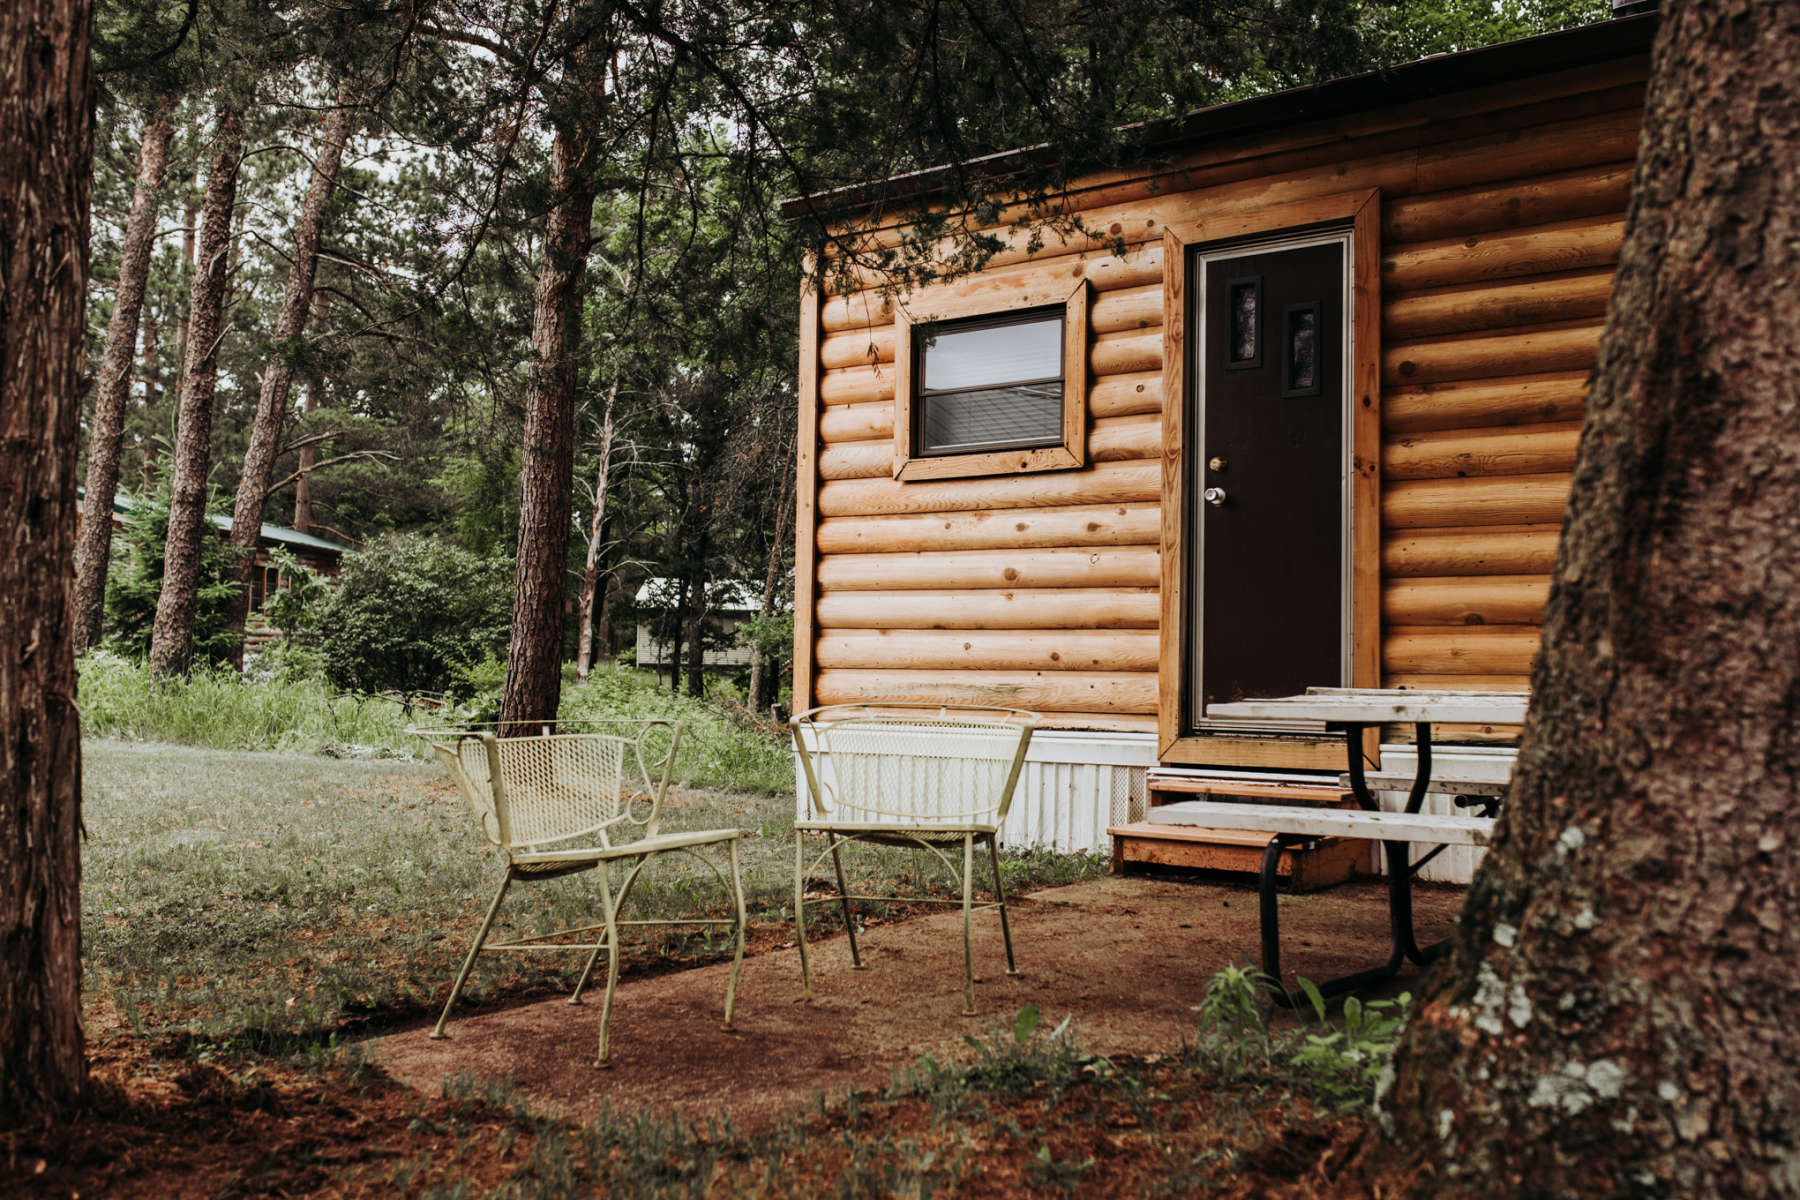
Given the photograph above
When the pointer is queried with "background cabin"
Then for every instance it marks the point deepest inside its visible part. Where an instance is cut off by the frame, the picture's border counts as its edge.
(1314, 426)
(730, 602)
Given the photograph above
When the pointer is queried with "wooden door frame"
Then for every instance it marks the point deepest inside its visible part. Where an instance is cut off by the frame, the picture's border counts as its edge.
(1361, 212)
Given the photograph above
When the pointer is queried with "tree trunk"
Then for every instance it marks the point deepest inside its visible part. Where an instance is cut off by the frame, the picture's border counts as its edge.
(697, 605)
(309, 453)
(759, 672)
(1617, 1015)
(152, 383)
(46, 164)
(172, 636)
(277, 377)
(93, 550)
(534, 659)
(590, 571)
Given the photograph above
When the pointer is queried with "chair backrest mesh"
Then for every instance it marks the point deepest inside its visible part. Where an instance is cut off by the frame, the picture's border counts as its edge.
(561, 785)
(467, 762)
(943, 769)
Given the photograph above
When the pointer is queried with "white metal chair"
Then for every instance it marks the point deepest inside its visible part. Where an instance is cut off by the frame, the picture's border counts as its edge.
(923, 776)
(554, 803)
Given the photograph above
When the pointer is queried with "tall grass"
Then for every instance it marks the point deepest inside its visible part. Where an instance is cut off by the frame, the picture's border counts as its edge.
(273, 709)
(219, 709)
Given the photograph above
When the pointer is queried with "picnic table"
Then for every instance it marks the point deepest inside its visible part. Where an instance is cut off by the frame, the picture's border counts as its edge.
(1351, 711)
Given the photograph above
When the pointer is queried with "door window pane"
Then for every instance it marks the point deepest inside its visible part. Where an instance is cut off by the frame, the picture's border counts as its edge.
(1301, 342)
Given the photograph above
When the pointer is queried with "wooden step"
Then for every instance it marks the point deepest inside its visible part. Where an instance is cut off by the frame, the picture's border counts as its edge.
(1321, 863)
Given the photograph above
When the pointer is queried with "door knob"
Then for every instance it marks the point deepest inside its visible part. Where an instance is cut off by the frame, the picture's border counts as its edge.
(1214, 496)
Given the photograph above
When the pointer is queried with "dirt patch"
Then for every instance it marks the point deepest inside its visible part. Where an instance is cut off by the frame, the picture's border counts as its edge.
(1125, 958)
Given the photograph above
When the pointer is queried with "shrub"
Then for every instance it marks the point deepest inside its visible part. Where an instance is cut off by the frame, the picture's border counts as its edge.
(134, 582)
(412, 614)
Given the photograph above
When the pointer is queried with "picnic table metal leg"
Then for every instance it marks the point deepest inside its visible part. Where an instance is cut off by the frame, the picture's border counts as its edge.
(1268, 898)
(1400, 878)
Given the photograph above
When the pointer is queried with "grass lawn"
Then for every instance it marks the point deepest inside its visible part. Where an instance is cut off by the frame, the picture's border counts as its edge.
(264, 902)
(248, 915)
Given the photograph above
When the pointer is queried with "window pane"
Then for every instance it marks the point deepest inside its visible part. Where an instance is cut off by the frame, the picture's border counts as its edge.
(991, 418)
(997, 354)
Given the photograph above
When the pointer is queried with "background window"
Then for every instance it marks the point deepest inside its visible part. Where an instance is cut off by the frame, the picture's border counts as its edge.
(991, 383)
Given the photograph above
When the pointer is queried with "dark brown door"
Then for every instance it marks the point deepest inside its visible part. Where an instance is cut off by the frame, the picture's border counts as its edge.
(1270, 471)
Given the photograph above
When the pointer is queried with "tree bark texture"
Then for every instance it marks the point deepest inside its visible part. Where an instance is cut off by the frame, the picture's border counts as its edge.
(590, 570)
(534, 659)
(93, 550)
(46, 164)
(308, 453)
(278, 375)
(172, 636)
(760, 676)
(1618, 1012)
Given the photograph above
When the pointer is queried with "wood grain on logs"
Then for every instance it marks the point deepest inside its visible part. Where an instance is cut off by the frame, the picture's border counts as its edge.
(1483, 356)
(1105, 483)
(1487, 650)
(1566, 196)
(1510, 500)
(1103, 566)
(1540, 250)
(1123, 395)
(1474, 600)
(1512, 450)
(1118, 353)
(1512, 550)
(1517, 400)
(1021, 608)
(1061, 691)
(857, 385)
(856, 423)
(1570, 296)
(1090, 525)
(1116, 439)
(1002, 650)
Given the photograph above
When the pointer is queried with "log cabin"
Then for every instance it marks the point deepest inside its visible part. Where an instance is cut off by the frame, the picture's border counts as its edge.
(1297, 405)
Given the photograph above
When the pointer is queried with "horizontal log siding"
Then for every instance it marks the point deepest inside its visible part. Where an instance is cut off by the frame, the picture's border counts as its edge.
(1501, 227)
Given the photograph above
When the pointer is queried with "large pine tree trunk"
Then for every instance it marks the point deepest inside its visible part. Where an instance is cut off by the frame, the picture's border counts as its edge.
(590, 570)
(94, 549)
(303, 502)
(534, 659)
(172, 636)
(278, 375)
(1618, 1015)
(46, 163)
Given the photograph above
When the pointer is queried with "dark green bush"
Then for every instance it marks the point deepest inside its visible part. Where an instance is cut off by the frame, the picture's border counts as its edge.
(412, 615)
(134, 581)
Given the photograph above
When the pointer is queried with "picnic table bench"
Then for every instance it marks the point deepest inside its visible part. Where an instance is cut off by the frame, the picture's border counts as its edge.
(1351, 711)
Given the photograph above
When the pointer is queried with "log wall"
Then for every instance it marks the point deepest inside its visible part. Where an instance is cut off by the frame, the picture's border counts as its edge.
(1502, 216)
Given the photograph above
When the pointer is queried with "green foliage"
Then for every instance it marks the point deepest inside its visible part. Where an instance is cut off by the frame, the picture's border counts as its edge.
(1337, 1064)
(772, 634)
(412, 614)
(299, 607)
(716, 751)
(280, 704)
(134, 582)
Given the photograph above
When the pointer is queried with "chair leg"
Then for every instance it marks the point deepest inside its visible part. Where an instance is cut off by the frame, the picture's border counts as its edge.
(612, 962)
(462, 976)
(587, 969)
(737, 961)
(800, 912)
(837, 864)
(1012, 968)
(968, 883)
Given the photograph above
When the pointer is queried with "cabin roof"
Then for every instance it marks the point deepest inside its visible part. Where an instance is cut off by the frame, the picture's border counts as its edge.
(1436, 75)
(125, 505)
(723, 595)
